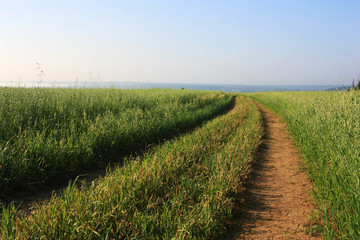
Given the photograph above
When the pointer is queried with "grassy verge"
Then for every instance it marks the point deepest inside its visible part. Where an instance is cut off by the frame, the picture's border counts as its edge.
(185, 189)
(326, 127)
(49, 134)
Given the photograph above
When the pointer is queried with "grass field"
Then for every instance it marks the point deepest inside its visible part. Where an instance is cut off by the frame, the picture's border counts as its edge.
(184, 189)
(49, 134)
(326, 129)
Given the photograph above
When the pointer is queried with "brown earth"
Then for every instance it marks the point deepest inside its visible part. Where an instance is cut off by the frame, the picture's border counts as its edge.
(277, 202)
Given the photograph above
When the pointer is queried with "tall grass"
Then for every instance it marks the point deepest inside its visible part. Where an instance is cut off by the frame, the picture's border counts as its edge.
(326, 127)
(49, 134)
(185, 189)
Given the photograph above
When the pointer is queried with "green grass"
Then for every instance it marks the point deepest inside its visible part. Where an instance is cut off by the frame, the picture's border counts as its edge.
(183, 189)
(326, 128)
(52, 134)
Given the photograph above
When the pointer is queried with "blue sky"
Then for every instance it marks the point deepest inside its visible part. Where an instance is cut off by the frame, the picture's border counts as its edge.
(235, 42)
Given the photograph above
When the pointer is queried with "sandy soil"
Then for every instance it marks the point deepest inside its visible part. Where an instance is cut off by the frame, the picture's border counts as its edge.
(276, 200)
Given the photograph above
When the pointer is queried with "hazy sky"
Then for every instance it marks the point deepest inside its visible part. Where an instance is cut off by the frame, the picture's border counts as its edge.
(239, 42)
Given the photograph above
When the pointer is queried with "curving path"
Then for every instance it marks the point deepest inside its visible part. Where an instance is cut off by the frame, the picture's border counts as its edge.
(276, 200)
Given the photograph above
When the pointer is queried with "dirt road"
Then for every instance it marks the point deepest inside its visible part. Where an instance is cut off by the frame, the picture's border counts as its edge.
(277, 201)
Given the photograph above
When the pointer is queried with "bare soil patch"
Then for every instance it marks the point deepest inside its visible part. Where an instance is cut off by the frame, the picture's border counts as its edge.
(277, 202)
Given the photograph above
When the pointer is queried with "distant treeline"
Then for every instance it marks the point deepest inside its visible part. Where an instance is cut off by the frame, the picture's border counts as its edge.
(357, 87)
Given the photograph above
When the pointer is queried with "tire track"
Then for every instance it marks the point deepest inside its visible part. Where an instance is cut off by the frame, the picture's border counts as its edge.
(276, 200)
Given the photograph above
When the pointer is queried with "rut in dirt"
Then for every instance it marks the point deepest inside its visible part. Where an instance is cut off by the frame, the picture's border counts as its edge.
(277, 203)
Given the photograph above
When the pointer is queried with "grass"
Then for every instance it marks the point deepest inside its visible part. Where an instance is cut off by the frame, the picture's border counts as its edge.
(51, 134)
(184, 189)
(326, 128)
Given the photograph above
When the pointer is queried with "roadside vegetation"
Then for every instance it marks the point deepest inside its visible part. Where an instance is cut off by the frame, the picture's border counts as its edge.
(52, 134)
(185, 188)
(326, 129)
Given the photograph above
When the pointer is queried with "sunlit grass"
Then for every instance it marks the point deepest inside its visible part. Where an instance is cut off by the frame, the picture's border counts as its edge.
(52, 134)
(184, 189)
